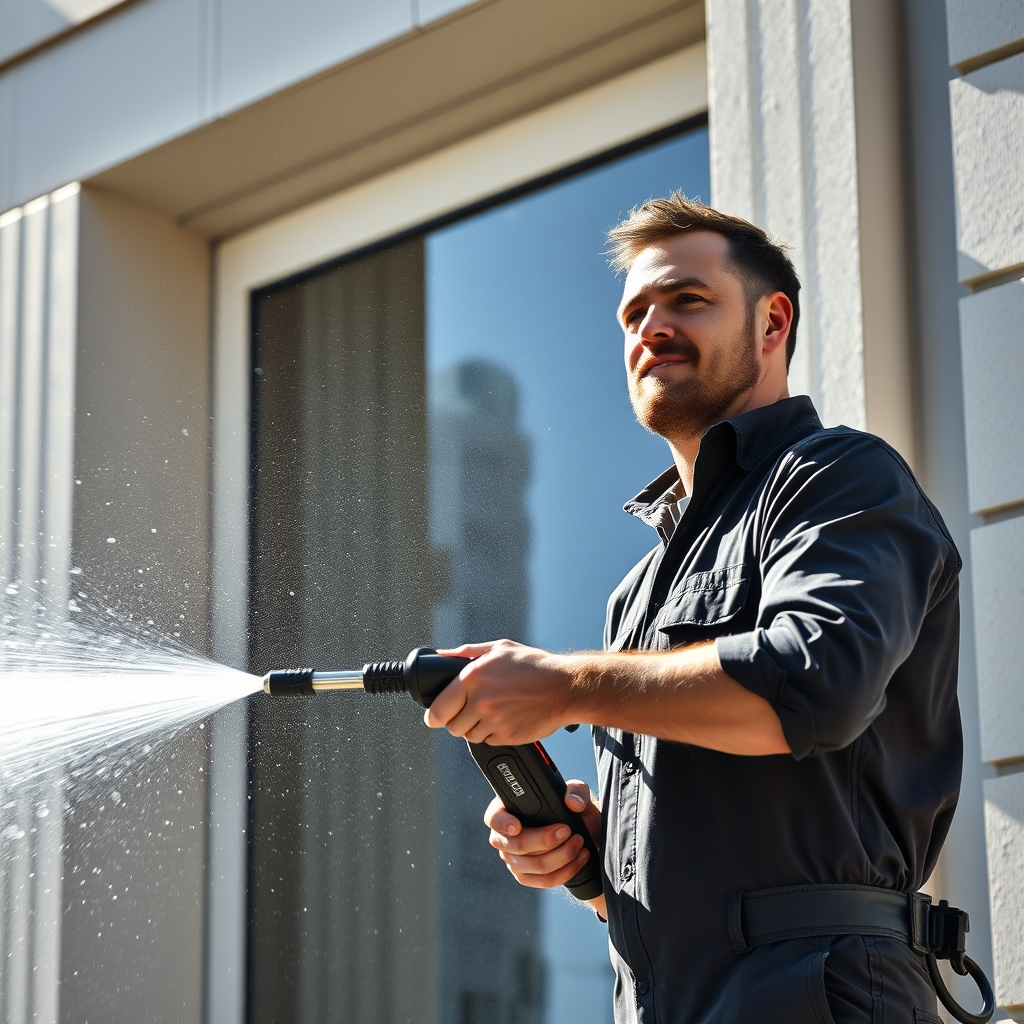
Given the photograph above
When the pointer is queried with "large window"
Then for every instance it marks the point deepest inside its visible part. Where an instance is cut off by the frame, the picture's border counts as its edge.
(442, 443)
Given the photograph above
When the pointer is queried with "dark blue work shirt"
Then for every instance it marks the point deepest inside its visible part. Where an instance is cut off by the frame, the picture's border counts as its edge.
(829, 583)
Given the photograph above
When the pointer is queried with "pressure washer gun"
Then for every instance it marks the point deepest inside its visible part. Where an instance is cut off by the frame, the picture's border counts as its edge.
(524, 778)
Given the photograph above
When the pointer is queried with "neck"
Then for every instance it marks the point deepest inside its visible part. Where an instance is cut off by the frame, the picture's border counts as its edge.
(684, 449)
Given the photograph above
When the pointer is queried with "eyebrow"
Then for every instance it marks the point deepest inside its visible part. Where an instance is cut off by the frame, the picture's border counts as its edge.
(665, 288)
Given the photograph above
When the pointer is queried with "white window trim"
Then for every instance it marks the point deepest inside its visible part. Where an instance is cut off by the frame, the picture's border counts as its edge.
(588, 123)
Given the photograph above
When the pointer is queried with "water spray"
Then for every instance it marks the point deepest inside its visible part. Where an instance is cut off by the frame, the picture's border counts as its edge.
(523, 777)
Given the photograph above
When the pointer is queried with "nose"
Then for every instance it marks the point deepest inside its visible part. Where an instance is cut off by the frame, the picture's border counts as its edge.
(655, 326)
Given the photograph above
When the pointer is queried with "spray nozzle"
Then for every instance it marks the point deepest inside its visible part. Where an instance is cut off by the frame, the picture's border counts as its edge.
(424, 674)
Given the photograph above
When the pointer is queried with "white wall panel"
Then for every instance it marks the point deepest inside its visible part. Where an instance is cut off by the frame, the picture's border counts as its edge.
(987, 109)
(27, 23)
(1004, 826)
(160, 68)
(265, 45)
(115, 89)
(38, 305)
(6, 136)
(977, 28)
(10, 288)
(784, 155)
(997, 555)
(428, 10)
(992, 348)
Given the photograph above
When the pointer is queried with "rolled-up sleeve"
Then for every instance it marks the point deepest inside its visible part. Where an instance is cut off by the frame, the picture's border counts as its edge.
(851, 558)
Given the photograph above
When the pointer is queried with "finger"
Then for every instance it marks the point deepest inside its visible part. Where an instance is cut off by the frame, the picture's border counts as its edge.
(544, 863)
(531, 841)
(555, 878)
(466, 723)
(499, 820)
(446, 705)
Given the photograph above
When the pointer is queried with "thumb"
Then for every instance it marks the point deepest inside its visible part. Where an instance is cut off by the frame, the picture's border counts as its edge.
(580, 799)
(578, 796)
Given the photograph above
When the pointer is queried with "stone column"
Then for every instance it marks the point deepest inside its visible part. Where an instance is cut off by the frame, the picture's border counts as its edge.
(987, 105)
(806, 127)
(38, 301)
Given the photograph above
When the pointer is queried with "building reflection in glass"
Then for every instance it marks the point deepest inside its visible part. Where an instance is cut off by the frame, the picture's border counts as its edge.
(479, 470)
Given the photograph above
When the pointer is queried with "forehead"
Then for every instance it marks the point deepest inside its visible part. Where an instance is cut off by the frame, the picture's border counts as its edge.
(696, 254)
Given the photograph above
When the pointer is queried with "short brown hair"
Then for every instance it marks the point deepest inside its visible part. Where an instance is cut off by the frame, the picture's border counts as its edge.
(762, 264)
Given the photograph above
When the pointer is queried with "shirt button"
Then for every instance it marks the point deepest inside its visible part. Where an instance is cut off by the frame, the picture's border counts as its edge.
(641, 987)
(627, 871)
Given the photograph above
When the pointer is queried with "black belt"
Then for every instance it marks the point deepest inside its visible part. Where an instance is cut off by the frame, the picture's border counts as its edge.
(799, 911)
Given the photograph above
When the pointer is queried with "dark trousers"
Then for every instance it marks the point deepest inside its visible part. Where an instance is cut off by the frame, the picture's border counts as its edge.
(849, 979)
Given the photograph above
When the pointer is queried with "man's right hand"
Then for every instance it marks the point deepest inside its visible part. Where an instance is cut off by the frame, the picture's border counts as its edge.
(545, 858)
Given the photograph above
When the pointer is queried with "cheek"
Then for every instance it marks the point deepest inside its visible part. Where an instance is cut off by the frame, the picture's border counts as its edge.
(632, 350)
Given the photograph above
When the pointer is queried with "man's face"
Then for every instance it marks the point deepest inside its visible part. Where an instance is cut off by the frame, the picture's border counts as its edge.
(690, 350)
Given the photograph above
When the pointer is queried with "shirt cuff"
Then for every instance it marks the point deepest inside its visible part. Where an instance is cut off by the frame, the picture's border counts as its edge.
(743, 657)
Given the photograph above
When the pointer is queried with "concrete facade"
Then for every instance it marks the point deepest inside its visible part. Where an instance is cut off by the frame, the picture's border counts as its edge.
(987, 107)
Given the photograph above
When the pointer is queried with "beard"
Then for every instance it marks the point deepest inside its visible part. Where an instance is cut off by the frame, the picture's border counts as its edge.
(682, 409)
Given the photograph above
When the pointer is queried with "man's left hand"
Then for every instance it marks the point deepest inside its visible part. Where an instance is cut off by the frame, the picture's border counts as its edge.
(508, 694)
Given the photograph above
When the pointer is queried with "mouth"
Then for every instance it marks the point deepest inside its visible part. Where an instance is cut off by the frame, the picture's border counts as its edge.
(661, 363)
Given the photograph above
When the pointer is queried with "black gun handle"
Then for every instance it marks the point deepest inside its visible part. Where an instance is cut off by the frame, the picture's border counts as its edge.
(524, 778)
(531, 787)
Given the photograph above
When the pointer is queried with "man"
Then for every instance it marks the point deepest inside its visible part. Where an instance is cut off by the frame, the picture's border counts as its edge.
(776, 704)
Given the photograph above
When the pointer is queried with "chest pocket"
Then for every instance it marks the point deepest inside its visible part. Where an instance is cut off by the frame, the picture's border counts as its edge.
(705, 599)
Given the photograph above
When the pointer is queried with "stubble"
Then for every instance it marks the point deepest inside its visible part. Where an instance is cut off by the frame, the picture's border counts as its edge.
(684, 409)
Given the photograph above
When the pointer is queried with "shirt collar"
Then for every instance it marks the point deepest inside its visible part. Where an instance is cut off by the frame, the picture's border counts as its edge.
(758, 434)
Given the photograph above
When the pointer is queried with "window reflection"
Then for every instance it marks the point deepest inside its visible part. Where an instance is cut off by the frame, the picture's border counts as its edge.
(479, 469)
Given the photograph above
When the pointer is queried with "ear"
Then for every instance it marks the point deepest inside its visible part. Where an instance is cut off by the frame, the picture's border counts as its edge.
(777, 313)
